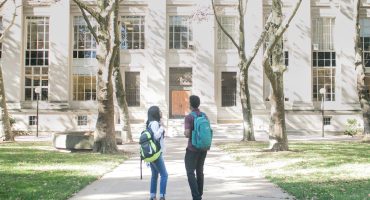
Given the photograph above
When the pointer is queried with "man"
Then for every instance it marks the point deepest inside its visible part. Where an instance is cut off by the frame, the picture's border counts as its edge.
(194, 158)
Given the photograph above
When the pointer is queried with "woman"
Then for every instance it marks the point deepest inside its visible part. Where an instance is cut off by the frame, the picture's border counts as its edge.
(158, 167)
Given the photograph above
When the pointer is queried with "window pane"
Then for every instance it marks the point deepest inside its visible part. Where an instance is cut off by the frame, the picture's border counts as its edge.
(84, 86)
(132, 32)
(132, 86)
(230, 25)
(180, 33)
(228, 88)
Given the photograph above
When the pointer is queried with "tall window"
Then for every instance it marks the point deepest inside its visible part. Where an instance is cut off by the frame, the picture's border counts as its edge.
(84, 87)
(84, 45)
(230, 25)
(323, 58)
(37, 57)
(228, 88)
(180, 32)
(365, 40)
(132, 86)
(132, 32)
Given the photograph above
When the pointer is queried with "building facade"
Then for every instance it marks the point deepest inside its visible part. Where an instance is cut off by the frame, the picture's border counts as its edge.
(168, 54)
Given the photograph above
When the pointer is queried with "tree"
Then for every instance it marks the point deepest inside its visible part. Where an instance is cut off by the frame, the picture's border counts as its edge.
(106, 15)
(245, 62)
(274, 69)
(120, 91)
(7, 128)
(360, 71)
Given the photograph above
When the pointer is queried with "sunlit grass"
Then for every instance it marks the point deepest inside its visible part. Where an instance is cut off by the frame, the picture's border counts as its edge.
(312, 170)
(35, 170)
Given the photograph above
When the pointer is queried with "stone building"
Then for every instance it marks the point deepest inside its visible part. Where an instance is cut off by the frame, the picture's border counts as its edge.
(165, 57)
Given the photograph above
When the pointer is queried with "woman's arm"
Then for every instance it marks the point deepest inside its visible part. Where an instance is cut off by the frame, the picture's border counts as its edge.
(157, 130)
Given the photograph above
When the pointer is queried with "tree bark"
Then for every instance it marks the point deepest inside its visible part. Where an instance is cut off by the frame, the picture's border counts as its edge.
(248, 133)
(7, 126)
(360, 72)
(107, 19)
(275, 73)
(248, 130)
(120, 91)
(5, 119)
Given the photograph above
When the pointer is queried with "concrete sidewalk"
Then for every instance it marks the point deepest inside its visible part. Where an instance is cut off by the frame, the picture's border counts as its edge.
(225, 179)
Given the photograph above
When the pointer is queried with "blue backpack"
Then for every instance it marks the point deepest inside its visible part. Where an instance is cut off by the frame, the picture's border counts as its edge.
(201, 136)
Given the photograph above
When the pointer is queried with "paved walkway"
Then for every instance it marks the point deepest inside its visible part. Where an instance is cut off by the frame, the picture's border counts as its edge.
(225, 179)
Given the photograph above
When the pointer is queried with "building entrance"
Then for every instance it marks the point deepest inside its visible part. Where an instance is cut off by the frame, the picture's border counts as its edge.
(180, 90)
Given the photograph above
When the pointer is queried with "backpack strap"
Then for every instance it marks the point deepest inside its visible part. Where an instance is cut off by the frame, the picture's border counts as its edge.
(152, 133)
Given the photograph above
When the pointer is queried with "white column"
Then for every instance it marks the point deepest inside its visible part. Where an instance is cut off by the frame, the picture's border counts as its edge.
(12, 55)
(59, 80)
(298, 77)
(253, 23)
(204, 77)
(344, 43)
(156, 71)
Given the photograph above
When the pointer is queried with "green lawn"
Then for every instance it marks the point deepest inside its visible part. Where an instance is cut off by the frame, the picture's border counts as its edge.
(35, 170)
(312, 170)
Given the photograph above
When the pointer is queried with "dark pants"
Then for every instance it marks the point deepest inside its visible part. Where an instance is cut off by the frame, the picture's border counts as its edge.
(194, 161)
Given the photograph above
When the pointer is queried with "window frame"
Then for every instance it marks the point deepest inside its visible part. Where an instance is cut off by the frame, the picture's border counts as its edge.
(229, 102)
(136, 90)
(324, 58)
(82, 120)
(32, 120)
(189, 34)
(36, 74)
(222, 38)
(141, 33)
(90, 85)
(83, 52)
(365, 51)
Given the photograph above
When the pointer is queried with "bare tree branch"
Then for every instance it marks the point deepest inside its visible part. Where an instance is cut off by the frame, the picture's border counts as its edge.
(6, 30)
(91, 11)
(2, 3)
(259, 42)
(87, 20)
(109, 9)
(222, 28)
(279, 33)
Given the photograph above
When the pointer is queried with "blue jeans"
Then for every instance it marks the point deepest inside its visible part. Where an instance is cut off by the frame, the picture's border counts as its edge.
(158, 167)
(194, 161)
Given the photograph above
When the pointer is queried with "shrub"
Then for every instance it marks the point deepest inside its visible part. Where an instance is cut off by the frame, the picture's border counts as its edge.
(353, 127)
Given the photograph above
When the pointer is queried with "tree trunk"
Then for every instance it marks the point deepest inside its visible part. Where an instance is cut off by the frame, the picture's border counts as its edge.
(360, 71)
(7, 125)
(122, 103)
(248, 134)
(120, 91)
(277, 138)
(7, 128)
(275, 73)
(104, 135)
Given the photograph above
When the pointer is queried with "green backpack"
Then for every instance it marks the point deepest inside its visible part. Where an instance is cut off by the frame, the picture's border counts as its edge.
(150, 149)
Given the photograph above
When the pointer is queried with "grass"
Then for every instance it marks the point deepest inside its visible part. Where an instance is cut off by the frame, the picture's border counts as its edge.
(312, 170)
(35, 170)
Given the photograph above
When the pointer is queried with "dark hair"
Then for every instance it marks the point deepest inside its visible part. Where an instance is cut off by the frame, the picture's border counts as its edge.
(153, 115)
(194, 101)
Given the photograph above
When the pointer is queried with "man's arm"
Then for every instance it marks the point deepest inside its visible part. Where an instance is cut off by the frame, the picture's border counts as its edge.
(188, 126)
(187, 133)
